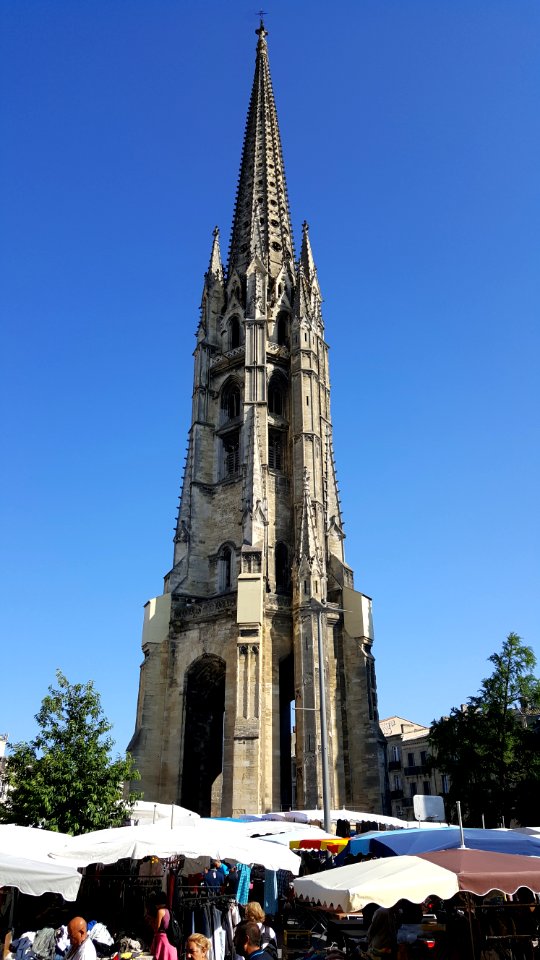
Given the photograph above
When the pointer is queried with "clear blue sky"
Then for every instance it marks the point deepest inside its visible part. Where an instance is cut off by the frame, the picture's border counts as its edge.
(411, 139)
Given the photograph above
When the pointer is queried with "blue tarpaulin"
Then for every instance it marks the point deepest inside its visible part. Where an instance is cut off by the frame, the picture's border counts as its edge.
(410, 842)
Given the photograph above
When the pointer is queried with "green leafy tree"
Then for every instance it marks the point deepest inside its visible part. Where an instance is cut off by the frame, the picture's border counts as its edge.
(65, 779)
(491, 747)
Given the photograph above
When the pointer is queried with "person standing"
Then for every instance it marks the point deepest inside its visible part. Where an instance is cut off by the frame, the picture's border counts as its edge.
(255, 913)
(247, 942)
(81, 947)
(160, 918)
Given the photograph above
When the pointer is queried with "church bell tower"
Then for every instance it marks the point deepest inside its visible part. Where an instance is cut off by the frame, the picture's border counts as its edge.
(228, 715)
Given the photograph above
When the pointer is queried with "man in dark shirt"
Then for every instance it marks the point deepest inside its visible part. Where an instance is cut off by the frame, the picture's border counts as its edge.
(247, 942)
(214, 877)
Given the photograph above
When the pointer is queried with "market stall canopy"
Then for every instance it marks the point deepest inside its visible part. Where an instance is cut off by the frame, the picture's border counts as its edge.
(412, 842)
(353, 816)
(38, 876)
(280, 831)
(30, 842)
(479, 871)
(333, 844)
(145, 812)
(214, 839)
(306, 837)
(442, 873)
(349, 889)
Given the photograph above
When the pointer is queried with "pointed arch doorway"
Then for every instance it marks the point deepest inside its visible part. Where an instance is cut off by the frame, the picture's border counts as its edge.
(286, 702)
(203, 734)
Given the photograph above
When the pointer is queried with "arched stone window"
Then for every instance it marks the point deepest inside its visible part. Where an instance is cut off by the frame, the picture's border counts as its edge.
(276, 449)
(225, 568)
(230, 401)
(282, 328)
(231, 454)
(234, 333)
(282, 572)
(276, 396)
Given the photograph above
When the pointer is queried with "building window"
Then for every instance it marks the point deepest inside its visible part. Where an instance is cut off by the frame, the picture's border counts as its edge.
(423, 758)
(414, 789)
(230, 402)
(234, 333)
(275, 397)
(397, 782)
(410, 759)
(275, 450)
(282, 568)
(282, 328)
(231, 454)
(427, 788)
(445, 783)
(225, 569)
(394, 752)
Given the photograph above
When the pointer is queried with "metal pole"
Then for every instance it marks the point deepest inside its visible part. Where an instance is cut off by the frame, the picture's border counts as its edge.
(462, 835)
(324, 729)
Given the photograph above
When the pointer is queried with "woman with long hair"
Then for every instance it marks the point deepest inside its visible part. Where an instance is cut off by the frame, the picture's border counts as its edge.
(160, 918)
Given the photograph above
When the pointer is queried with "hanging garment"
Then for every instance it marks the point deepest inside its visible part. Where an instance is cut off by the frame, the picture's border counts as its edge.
(242, 894)
(284, 878)
(270, 892)
(217, 938)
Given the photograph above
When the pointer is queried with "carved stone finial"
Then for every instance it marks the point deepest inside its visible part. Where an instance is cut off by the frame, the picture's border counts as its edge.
(261, 32)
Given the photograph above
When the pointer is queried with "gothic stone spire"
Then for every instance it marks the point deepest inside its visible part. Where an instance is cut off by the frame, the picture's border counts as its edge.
(261, 217)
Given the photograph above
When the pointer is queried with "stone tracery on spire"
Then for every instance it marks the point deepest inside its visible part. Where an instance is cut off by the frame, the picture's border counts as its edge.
(262, 208)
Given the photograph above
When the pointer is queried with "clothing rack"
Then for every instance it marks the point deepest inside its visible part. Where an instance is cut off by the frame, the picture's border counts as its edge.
(224, 899)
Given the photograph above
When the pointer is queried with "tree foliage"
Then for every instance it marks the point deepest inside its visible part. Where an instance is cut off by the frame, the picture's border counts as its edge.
(65, 779)
(491, 747)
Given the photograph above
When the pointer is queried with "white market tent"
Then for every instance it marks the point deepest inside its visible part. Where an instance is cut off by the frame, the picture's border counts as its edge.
(39, 876)
(26, 865)
(353, 816)
(298, 832)
(280, 830)
(216, 839)
(348, 889)
(146, 812)
(30, 842)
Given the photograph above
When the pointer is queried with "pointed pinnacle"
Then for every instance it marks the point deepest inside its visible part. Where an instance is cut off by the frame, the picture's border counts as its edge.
(215, 270)
(306, 255)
